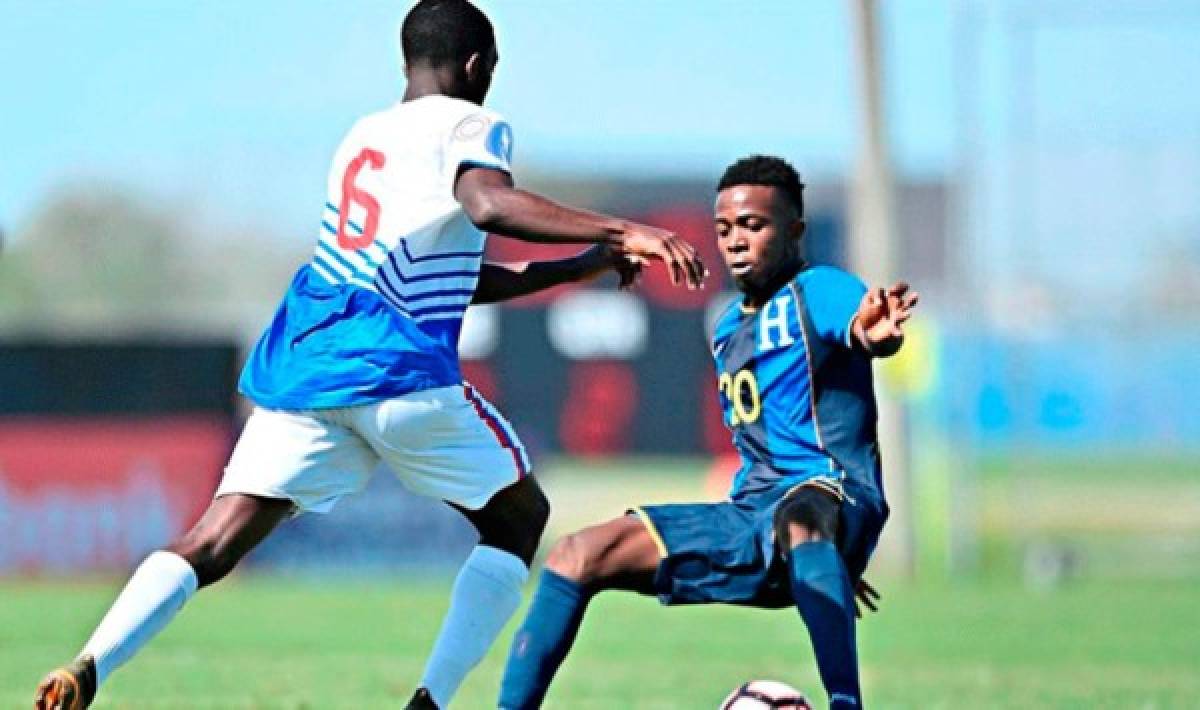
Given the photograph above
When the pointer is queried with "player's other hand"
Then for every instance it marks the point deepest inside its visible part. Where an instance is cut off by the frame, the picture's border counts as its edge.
(882, 313)
(865, 595)
(683, 264)
(600, 258)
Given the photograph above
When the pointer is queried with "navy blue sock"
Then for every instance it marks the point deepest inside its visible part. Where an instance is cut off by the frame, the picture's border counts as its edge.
(542, 642)
(823, 595)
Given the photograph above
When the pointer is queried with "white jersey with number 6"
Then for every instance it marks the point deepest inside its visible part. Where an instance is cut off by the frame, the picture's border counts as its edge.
(391, 223)
(378, 311)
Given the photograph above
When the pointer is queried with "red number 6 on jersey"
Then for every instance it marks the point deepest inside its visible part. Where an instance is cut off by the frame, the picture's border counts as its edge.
(351, 194)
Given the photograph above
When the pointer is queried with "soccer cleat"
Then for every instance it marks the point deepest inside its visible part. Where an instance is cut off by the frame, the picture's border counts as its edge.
(69, 688)
(421, 700)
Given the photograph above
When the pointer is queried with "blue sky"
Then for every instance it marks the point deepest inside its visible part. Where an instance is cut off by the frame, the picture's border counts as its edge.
(234, 108)
(230, 110)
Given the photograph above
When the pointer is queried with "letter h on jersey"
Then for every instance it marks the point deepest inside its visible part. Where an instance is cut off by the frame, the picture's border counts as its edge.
(774, 317)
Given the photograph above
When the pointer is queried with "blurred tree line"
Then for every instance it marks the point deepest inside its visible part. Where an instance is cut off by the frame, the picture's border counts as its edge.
(96, 261)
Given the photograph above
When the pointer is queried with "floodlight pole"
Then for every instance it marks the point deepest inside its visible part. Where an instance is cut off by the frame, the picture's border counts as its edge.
(872, 254)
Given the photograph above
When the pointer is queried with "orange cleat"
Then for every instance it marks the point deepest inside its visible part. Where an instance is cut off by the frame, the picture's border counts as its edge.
(69, 688)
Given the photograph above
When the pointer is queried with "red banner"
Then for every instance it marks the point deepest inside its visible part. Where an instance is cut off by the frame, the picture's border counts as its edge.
(99, 493)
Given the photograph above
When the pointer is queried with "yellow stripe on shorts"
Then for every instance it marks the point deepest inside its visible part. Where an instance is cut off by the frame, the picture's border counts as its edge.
(658, 541)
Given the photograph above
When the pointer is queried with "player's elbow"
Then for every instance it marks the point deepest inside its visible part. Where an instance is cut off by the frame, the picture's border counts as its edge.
(485, 208)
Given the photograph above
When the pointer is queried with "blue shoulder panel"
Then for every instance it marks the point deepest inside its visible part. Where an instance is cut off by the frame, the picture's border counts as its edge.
(832, 297)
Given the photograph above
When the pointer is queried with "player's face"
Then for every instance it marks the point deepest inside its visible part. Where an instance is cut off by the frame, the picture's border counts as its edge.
(758, 233)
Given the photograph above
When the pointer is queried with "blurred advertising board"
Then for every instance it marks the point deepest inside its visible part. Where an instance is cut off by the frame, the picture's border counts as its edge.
(84, 493)
(107, 450)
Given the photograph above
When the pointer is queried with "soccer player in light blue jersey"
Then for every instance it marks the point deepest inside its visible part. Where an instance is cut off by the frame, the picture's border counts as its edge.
(793, 360)
(360, 366)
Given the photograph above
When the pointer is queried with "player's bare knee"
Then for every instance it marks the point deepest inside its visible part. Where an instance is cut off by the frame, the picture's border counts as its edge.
(570, 558)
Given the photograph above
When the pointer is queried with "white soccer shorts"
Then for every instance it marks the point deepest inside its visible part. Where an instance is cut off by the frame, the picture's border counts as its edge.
(447, 443)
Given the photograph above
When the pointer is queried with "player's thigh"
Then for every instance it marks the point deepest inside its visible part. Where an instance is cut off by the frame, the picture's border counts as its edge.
(618, 554)
(447, 443)
(311, 458)
(712, 552)
(233, 517)
(232, 525)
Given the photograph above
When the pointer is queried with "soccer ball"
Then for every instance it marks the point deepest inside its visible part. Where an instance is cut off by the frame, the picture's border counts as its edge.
(763, 694)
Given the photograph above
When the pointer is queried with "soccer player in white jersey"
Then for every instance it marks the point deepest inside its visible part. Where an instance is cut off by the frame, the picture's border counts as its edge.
(360, 365)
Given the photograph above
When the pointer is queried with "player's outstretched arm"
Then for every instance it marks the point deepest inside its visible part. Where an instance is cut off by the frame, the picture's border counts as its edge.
(879, 324)
(494, 204)
(503, 281)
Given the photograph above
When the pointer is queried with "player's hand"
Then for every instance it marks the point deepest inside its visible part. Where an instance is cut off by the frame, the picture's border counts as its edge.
(683, 264)
(865, 595)
(881, 317)
(602, 257)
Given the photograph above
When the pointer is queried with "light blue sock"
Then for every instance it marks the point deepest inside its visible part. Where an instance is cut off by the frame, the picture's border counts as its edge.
(486, 593)
(156, 591)
(543, 641)
(825, 599)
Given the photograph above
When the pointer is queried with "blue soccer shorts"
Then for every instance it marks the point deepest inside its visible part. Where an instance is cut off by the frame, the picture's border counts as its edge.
(726, 552)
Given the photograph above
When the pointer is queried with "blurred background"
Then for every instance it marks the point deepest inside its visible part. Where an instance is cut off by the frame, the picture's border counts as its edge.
(1033, 168)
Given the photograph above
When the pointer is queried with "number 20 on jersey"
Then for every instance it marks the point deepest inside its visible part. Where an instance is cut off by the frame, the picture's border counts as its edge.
(741, 390)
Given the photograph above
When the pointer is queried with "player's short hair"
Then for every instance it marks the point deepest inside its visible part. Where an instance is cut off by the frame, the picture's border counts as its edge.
(766, 170)
(439, 32)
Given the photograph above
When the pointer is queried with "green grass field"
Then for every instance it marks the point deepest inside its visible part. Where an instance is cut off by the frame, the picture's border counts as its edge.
(260, 642)
(1121, 632)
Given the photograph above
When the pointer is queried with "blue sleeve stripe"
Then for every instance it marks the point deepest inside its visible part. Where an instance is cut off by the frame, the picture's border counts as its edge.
(461, 296)
(453, 318)
(325, 270)
(431, 257)
(403, 244)
(439, 293)
(332, 274)
(452, 308)
(354, 272)
(399, 273)
(352, 223)
(389, 292)
(363, 251)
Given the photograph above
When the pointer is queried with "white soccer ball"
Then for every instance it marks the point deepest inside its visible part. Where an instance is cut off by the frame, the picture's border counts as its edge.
(764, 694)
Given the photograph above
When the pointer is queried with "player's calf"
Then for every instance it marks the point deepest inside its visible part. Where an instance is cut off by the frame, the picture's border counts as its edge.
(619, 554)
(806, 525)
(487, 590)
(159, 587)
(232, 526)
